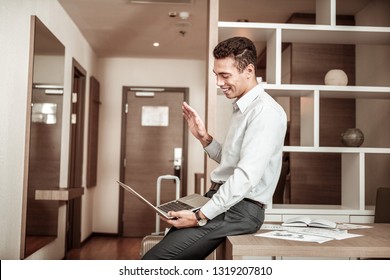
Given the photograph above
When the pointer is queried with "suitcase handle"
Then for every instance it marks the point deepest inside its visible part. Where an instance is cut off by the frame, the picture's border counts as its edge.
(159, 179)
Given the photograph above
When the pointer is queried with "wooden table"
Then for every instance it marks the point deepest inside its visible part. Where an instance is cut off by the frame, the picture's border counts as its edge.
(375, 243)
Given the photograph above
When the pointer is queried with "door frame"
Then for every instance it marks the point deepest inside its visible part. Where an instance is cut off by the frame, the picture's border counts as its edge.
(76, 154)
(125, 90)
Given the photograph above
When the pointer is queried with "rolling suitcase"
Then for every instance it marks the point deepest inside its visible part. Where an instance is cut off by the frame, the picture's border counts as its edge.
(148, 243)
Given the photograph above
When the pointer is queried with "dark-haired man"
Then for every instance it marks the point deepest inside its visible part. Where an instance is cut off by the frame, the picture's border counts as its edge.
(249, 160)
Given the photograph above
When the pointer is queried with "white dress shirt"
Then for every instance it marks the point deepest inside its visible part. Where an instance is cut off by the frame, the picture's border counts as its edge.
(250, 159)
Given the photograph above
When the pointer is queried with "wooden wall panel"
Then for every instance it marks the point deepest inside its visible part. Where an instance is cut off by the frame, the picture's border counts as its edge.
(315, 178)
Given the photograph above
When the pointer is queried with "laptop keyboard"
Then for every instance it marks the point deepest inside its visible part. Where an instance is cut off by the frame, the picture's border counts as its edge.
(174, 206)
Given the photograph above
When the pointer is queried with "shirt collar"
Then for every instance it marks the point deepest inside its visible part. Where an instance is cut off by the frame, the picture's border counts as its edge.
(243, 103)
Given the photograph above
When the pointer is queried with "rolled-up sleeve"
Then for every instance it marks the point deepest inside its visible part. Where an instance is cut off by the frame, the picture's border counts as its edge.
(213, 150)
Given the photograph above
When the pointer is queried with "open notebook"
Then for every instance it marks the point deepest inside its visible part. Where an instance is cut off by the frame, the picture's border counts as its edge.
(191, 202)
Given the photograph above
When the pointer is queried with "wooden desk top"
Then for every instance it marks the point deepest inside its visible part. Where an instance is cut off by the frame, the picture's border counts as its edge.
(375, 243)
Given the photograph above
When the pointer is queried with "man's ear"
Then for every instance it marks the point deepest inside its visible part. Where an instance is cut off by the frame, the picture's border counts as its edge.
(250, 71)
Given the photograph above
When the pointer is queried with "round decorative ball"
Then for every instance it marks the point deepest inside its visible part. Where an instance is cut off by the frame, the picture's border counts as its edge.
(336, 77)
(352, 137)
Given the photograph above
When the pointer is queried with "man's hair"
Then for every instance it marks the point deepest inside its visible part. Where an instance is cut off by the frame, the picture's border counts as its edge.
(241, 49)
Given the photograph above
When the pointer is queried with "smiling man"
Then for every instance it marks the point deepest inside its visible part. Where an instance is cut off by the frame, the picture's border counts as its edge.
(249, 160)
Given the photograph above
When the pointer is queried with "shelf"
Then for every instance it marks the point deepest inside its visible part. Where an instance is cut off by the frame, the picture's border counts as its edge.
(339, 150)
(61, 194)
(310, 209)
(328, 91)
(305, 33)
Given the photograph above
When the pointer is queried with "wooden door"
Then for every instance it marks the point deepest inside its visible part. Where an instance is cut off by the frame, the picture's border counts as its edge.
(153, 129)
(76, 152)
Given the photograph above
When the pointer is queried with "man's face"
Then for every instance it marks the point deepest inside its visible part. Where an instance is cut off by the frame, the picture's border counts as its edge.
(233, 83)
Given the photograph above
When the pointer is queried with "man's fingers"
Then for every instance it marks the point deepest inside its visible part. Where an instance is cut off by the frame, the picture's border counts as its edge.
(188, 109)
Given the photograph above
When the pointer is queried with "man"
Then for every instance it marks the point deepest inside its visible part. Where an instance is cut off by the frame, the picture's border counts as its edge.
(249, 160)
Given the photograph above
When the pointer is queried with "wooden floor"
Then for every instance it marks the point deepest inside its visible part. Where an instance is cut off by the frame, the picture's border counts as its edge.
(107, 248)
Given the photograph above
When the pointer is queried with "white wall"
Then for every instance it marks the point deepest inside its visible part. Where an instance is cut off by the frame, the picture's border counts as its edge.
(116, 73)
(15, 19)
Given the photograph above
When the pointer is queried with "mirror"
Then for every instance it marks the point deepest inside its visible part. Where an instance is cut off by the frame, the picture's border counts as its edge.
(48, 56)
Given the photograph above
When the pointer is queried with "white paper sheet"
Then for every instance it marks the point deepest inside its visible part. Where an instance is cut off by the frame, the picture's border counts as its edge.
(293, 236)
(352, 226)
(155, 116)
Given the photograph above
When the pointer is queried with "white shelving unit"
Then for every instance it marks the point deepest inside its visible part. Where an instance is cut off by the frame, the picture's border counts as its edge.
(353, 207)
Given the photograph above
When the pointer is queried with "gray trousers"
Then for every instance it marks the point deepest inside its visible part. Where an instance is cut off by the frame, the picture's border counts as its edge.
(196, 243)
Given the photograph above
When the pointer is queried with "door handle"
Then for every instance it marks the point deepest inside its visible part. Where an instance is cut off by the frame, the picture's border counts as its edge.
(177, 161)
(177, 158)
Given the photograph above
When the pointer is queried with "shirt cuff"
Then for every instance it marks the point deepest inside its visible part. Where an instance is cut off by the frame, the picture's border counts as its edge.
(212, 149)
(211, 210)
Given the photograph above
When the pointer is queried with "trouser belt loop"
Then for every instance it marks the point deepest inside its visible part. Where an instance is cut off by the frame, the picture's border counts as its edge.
(215, 186)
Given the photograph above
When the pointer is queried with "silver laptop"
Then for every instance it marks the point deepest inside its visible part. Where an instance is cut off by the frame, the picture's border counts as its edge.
(190, 202)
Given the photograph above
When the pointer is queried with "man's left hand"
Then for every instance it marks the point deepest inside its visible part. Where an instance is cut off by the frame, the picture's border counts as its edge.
(182, 219)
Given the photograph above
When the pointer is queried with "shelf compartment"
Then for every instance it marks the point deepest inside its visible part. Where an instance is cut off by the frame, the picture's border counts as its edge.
(373, 117)
(304, 126)
(323, 176)
(315, 178)
(366, 101)
(345, 35)
(376, 174)
(363, 170)
(352, 180)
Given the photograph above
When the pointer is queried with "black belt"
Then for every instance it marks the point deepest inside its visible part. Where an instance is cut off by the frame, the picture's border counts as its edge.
(261, 205)
(216, 186)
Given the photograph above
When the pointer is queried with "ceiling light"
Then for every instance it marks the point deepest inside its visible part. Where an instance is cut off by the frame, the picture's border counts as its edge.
(156, 44)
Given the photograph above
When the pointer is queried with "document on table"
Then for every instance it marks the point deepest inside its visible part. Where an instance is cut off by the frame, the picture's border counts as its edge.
(352, 226)
(333, 234)
(337, 234)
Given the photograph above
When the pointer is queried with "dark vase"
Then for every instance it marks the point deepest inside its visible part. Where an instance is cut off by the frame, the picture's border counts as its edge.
(352, 137)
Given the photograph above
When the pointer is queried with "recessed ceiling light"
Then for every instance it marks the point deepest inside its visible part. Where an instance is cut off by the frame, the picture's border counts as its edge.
(156, 44)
